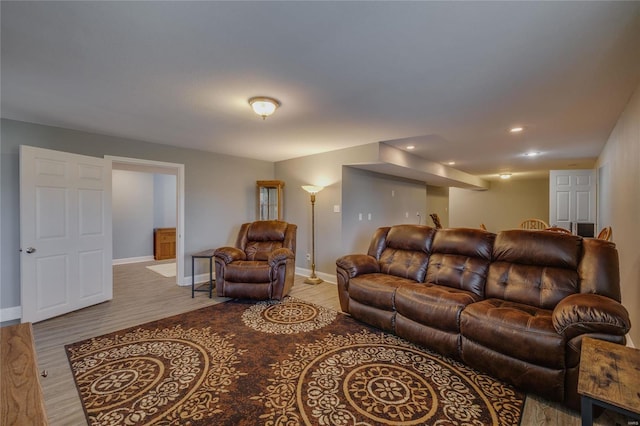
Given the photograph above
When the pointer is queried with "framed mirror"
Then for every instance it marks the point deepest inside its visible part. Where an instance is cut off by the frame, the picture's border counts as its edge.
(269, 195)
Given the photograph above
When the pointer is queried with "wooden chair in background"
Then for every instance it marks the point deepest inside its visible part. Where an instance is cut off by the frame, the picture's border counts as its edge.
(605, 234)
(534, 224)
(436, 220)
(558, 229)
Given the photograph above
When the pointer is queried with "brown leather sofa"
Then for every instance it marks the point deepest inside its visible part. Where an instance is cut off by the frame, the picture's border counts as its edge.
(262, 263)
(515, 305)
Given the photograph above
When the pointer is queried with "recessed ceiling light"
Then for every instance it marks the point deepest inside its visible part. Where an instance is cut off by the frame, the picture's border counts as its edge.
(505, 175)
(531, 154)
(410, 147)
(516, 129)
(451, 163)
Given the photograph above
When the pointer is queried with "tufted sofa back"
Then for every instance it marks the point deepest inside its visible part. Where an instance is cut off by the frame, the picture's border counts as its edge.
(259, 239)
(536, 268)
(403, 250)
(460, 258)
(533, 267)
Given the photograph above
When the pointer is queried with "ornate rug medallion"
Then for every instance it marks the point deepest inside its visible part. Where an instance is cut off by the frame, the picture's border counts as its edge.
(142, 377)
(378, 379)
(290, 316)
(278, 363)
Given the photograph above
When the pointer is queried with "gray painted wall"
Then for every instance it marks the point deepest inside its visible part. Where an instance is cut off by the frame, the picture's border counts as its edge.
(164, 201)
(142, 201)
(219, 189)
(132, 214)
(388, 199)
(325, 170)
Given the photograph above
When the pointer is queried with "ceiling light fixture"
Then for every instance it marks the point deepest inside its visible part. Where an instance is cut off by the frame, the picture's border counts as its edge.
(516, 129)
(410, 147)
(531, 154)
(505, 175)
(451, 163)
(263, 105)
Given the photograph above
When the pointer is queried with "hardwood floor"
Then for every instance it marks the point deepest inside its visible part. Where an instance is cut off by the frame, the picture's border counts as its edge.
(141, 295)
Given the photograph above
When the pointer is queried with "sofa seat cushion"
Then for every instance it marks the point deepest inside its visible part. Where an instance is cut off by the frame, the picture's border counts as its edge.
(376, 290)
(433, 305)
(514, 329)
(248, 271)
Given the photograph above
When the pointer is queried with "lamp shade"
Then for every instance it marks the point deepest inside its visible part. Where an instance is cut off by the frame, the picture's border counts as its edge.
(312, 189)
(263, 106)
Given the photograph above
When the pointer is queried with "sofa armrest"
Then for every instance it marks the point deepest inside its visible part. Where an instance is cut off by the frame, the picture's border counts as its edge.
(358, 264)
(590, 313)
(280, 255)
(229, 254)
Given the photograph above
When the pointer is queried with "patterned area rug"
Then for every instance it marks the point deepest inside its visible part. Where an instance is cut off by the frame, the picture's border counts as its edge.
(278, 363)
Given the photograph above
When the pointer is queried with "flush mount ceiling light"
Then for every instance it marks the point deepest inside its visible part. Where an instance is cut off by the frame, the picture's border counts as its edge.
(263, 105)
(451, 163)
(531, 154)
(505, 175)
(516, 129)
(410, 147)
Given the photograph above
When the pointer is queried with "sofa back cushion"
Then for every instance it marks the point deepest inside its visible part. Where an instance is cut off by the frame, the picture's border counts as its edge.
(536, 268)
(599, 268)
(258, 239)
(460, 258)
(405, 252)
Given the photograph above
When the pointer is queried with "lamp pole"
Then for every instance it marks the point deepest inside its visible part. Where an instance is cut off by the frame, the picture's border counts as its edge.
(313, 190)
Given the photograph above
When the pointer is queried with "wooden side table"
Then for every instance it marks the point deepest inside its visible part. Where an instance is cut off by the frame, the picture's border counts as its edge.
(609, 377)
(21, 401)
(207, 254)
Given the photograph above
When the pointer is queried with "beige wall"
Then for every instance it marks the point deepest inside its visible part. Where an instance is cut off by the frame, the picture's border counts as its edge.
(619, 164)
(438, 202)
(503, 206)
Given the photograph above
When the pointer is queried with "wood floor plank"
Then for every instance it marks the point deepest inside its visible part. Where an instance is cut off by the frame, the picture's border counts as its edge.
(140, 296)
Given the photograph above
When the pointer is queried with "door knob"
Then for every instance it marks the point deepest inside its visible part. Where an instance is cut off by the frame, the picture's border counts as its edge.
(30, 250)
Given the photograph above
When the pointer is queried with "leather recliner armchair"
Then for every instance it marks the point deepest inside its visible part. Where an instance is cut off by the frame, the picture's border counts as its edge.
(261, 265)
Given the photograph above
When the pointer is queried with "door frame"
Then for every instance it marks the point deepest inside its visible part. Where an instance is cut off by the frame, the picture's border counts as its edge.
(178, 170)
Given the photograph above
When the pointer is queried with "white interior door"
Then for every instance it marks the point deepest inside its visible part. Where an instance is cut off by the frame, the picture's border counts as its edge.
(572, 198)
(65, 232)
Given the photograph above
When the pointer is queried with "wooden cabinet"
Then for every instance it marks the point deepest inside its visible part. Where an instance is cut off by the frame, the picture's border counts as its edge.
(164, 243)
(21, 402)
(269, 194)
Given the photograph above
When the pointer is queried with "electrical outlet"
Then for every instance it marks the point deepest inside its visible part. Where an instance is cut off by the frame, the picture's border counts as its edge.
(308, 256)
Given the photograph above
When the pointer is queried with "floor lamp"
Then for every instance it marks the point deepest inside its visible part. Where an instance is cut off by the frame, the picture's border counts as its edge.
(313, 190)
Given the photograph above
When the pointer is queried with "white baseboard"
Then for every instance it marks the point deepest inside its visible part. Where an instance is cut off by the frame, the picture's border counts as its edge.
(203, 278)
(9, 314)
(200, 278)
(133, 260)
(326, 277)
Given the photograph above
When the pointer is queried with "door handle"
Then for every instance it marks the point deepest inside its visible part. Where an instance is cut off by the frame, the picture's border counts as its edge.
(30, 250)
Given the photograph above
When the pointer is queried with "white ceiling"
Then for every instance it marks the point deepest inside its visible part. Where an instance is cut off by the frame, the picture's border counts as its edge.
(448, 77)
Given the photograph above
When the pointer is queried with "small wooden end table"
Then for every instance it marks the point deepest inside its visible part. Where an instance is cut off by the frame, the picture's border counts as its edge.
(609, 377)
(206, 254)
